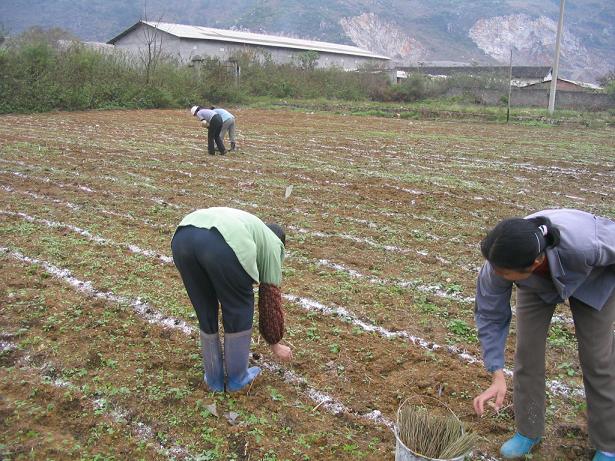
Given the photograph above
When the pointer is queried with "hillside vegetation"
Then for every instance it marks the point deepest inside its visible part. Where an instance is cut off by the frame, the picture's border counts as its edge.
(41, 73)
(45, 70)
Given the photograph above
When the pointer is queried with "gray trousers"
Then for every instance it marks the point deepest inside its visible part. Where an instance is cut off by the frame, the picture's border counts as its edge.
(596, 345)
(228, 125)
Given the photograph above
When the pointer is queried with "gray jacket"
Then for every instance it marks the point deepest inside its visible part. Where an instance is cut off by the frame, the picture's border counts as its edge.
(582, 266)
(205, 114)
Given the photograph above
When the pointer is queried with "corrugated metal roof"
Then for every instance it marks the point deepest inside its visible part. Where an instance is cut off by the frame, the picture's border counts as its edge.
(517, 71)
(549, 78)
(207, 33)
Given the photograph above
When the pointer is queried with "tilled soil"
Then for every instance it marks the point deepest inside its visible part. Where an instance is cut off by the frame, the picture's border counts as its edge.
(383, 224)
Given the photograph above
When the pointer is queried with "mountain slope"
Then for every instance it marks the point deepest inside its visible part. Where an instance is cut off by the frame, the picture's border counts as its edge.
(481, 31)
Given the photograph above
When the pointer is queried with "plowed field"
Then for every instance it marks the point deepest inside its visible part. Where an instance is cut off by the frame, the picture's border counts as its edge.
(99, 343)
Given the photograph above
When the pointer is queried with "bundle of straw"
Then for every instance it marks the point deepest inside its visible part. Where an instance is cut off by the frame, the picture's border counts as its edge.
(436, 437)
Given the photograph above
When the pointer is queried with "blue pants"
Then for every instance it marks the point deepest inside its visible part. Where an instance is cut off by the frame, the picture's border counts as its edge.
(213, 276)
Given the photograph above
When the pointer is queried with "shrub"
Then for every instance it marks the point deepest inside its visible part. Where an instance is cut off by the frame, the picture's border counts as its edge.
(607, 79)
(40, 71)
(416, 87)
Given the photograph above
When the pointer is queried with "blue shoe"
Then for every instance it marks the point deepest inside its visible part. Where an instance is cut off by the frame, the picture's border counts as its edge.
(212, 362)
(602, 456)
(518, 446)
(236, 356)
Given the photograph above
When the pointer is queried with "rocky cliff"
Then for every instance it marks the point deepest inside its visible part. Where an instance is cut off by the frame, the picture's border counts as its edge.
(532, 40)
(373, 33)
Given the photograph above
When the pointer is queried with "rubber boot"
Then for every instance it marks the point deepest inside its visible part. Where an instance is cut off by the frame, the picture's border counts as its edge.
(518, 446)
(603, 456)
(212, 361)
(233, 145)
(236, 355)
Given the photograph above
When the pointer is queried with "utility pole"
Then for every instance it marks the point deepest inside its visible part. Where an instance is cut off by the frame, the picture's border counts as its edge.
(509, 87)
(555, 70)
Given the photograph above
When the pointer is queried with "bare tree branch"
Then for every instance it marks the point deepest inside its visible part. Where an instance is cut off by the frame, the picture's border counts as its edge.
(152, 39)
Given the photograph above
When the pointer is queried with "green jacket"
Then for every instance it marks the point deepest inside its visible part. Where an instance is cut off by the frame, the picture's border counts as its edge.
(258, 249)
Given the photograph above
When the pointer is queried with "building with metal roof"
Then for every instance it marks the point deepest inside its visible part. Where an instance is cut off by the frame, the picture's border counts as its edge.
(564, 84)
(521, 75)
(193, 43)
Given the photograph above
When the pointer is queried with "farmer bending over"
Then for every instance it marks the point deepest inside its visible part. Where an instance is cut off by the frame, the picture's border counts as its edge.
(551, 256)
(213, 122)
(228, 124)
(220, 253)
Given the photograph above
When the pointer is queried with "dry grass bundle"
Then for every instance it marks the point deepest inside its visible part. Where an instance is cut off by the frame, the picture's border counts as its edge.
(436, 437)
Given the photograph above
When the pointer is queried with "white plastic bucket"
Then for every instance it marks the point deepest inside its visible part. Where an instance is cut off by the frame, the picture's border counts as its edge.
(403, 453)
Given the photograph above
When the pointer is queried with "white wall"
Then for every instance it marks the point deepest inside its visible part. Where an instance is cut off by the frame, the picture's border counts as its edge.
(224, 50)
(135, 42)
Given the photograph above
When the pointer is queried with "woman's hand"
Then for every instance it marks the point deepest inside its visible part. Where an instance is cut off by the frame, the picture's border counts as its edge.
(282, 352)
(496, 391)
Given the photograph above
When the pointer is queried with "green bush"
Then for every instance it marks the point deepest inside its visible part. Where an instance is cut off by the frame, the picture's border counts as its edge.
(415, 88)
(149, 97)
(40, 73)
(489, 81)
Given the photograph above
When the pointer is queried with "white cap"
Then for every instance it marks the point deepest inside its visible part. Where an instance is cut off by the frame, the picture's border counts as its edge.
(194, 109)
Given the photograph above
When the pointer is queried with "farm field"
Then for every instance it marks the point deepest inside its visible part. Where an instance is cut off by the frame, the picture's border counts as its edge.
(99, 353)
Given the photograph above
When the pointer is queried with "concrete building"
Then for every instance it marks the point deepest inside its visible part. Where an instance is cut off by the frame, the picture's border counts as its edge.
(563, 84)
(194, 43)
(521, 75)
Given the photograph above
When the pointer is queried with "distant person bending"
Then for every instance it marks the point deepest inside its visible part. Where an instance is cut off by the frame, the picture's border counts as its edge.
(213, 122)
(228, 124)
(221, 253)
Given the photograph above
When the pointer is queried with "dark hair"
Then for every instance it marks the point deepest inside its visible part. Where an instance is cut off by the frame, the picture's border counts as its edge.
(515, 243)
(278, 231)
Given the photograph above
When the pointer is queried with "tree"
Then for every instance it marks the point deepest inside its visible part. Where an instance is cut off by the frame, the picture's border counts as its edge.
(606, 78)
(52, 36)
(150, 54)
(4, 33)
(308, 59)
(608, 82)
(152, 39)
